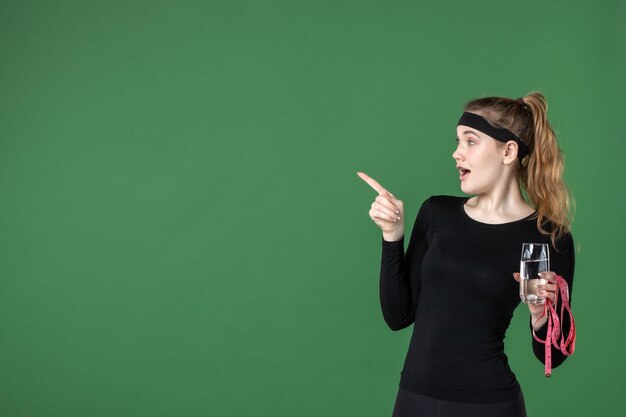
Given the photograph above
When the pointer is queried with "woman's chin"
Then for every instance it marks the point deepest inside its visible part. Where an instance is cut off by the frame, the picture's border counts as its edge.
(469, 190)
(466, 189)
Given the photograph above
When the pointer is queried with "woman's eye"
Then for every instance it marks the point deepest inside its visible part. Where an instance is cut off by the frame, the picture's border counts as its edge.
(471, 142)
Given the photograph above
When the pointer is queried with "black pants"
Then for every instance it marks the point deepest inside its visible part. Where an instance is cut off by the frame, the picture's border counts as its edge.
(410, 404)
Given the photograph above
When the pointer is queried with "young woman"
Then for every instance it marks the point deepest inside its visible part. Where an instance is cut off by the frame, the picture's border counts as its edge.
(458, 281)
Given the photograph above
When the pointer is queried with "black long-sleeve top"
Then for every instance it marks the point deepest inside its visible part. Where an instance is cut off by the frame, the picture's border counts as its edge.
(455, 283)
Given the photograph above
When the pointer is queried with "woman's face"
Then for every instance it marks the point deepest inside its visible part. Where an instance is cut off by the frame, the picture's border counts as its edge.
(479, 159)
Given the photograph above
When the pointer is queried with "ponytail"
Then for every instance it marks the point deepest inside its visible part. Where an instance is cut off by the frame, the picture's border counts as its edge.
(541, 171)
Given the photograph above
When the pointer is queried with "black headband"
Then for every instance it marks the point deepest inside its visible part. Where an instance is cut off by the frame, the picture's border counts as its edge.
(501, 134)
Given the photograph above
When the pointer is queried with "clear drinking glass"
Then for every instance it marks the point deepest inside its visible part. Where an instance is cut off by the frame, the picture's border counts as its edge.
(535, 259)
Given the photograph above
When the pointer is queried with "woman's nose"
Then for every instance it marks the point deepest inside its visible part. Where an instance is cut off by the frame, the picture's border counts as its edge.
(456, 155)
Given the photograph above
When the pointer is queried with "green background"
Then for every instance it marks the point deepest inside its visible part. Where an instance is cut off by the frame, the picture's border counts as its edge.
(182, 228)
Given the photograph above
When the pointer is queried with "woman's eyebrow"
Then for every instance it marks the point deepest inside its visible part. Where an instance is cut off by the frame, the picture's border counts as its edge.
(470, 131)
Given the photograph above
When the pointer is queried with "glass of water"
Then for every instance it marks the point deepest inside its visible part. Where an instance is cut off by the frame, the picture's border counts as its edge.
(535, 259)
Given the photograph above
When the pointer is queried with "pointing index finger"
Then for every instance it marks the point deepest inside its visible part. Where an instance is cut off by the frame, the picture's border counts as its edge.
(372, 183)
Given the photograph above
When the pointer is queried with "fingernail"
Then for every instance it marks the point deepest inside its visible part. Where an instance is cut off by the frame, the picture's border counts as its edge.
(397, 211)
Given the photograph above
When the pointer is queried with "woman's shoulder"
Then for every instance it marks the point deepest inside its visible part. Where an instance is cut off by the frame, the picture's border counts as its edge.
(549, 226)
(443, 201)
(441, 205)
(564, 241)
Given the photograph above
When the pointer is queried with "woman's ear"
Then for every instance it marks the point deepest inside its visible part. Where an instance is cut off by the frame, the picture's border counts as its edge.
(510, 152)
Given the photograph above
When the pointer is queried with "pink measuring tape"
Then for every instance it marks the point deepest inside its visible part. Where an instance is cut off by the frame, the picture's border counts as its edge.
(555, 335)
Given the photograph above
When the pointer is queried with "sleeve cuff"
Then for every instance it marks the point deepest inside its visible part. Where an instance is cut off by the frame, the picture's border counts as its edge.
(393, 244)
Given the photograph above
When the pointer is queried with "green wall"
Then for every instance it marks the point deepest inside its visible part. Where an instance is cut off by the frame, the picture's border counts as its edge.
(183, 232)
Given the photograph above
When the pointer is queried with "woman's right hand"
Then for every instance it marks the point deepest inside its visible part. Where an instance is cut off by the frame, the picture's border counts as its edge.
(387, 211)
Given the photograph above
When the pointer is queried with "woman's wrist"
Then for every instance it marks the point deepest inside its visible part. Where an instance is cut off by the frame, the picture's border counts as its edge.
(538, 322)
(392, 237)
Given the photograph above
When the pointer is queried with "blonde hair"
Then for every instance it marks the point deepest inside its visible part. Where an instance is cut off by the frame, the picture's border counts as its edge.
(541, 171)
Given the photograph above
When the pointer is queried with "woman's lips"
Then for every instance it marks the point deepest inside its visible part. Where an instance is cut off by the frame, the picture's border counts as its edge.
(463, 173)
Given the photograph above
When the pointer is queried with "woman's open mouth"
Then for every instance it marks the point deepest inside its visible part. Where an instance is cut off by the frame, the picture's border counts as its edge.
(463, 173)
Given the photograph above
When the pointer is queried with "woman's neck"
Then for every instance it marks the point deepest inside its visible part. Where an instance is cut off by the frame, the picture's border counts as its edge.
(503, 203)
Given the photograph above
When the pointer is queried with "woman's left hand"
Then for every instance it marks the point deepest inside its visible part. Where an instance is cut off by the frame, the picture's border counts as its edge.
(543, 290)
